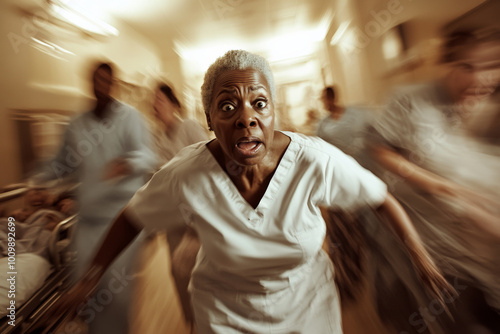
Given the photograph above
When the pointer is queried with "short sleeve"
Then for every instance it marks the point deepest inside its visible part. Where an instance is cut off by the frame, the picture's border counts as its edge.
(349, 186)
(155, 206)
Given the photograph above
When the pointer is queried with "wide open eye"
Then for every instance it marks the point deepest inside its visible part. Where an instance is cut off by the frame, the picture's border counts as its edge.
(227, 107)
(261, 104)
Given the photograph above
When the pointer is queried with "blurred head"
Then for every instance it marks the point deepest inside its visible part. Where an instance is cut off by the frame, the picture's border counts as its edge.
(328, 98)
(238, 98)
(102, 80)
(166, 104)
(473, 63)
(37, 198)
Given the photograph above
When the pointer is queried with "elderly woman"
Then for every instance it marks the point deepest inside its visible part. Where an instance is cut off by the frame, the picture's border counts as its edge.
(252, 194)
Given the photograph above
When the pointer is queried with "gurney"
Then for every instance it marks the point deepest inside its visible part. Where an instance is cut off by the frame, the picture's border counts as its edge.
(54, 271)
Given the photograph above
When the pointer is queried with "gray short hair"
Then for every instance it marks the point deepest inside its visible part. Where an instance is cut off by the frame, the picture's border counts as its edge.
(234, 60)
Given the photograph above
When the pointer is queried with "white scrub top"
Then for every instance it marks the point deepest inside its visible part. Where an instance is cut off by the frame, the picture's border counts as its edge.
(260, 270)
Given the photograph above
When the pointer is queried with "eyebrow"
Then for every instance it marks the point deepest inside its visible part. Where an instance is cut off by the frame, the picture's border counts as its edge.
(233, 90)
(257, 87)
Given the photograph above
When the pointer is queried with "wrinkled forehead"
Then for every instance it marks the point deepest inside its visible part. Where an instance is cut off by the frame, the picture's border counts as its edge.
(249, 78)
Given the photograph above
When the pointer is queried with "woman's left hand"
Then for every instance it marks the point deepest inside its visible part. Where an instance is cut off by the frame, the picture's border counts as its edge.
(432, 278)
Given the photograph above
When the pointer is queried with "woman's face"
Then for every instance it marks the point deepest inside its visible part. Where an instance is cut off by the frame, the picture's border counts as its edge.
(242, 116)
(164, 108)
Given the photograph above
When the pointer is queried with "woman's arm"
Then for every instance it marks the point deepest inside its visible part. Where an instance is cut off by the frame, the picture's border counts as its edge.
(475, 205)
(399, 221)
(121, 233)
(417, 177)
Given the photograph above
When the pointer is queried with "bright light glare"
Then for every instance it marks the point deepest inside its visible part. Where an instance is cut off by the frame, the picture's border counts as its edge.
(280, 48)
(340, 32)
(200, 58)
(51, 46)
(84, 17)
(294, 45)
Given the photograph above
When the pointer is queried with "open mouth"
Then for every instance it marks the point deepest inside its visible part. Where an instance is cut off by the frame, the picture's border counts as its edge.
(248, 145)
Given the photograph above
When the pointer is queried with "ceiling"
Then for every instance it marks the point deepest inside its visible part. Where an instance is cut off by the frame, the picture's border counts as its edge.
(205, 27)
(203, 22)
(195, 22)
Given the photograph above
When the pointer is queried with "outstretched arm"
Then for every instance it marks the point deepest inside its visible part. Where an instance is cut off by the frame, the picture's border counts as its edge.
(400, 223)
(121, 233)
(475, 205)
(418, 177)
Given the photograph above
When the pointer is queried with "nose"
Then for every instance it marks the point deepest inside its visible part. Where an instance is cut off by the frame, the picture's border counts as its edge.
(246, 118)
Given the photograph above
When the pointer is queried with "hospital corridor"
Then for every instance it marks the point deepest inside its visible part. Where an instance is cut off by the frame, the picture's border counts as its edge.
(260, 166)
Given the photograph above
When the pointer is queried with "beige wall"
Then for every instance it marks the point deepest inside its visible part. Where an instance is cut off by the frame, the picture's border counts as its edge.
(31, 79)
(348, 59)
(358, 65)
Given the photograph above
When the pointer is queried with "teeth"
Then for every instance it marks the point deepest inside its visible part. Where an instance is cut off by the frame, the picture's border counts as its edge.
(248, 145)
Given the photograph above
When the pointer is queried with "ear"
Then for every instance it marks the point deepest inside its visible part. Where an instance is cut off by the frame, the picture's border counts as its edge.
(209, 122)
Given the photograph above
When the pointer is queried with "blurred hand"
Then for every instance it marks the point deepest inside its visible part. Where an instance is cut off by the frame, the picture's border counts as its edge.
(432, 278)
(117, 168)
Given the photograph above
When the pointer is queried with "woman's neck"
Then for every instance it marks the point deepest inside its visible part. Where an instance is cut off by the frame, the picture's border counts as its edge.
(252, 181)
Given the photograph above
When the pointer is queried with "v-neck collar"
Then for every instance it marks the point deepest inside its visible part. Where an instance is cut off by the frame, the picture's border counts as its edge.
(267, 199)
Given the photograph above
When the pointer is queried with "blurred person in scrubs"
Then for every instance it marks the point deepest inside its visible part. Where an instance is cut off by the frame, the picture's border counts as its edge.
(108, 150)
(449, 185)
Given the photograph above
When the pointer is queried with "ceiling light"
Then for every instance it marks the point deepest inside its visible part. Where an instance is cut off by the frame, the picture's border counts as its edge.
(83, 19)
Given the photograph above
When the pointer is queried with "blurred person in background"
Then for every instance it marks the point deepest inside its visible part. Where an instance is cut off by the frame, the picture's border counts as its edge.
(449, 185)
(175, 131)
(108, 150)
(345, 128)
(253, 195)
(173, 134)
